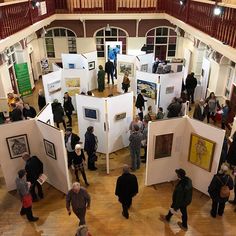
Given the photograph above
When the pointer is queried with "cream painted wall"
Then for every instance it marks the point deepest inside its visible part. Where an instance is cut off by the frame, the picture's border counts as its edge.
(134, 45)
(213, 77)
(221, 82)
(85, 45)
(5, 80)
(188, 44)
(60, 46)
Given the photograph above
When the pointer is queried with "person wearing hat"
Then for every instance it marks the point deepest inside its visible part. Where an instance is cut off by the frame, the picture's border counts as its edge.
(78, 163)
(181, 198)
(214, 190)
(71, 140)
(23, 188)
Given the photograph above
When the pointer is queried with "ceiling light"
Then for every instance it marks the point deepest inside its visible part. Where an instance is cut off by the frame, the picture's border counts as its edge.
(108, 28)
(35, 4)
(217, 10)
(182, 2)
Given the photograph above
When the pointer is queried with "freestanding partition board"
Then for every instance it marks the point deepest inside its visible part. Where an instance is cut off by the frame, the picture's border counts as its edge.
(163, 169)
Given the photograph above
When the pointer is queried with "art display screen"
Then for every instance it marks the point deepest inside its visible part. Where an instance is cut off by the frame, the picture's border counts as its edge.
(91, 114)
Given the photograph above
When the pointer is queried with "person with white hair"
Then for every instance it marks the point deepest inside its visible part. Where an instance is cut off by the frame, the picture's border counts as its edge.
(126, 189)
(83, 231)
(79, 199)
(219, 190)
(78, 163)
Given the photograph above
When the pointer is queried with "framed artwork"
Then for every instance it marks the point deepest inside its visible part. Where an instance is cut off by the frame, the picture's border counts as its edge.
(91, 65)
(54, 86)
(112, 51)
(170, 90)
(144, 67)
(125, 67)
(17, 145)
(163, 145)
(90, 114)
(179, 68)
(50, 149)
(149, 87)
(72, 82)
(73, 91)
(71, 66)
(201, 152)
(120, 116)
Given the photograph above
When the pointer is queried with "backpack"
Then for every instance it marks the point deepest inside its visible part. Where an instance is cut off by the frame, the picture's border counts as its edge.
(224, 190)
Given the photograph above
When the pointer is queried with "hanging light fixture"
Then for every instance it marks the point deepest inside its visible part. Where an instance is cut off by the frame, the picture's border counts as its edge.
(108, 28)
(182, 2)
(217, 10)
(35, 4)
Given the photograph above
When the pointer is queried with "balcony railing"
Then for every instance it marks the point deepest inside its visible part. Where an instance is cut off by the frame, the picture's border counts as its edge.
(17, 16)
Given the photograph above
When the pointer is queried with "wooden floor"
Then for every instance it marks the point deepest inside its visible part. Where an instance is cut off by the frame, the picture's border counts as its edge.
(104, 218)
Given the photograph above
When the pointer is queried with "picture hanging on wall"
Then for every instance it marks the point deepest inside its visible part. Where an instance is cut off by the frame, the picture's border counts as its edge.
(144, 67)
(54, 86)
(72, 82)
(125, 67)
(163, 145)
(17, 145)
(201, 152)
(50, 149)
(120, 116)
(112, 51)
(170, 90)
(91, 65)
(149, 87)
(90, 114)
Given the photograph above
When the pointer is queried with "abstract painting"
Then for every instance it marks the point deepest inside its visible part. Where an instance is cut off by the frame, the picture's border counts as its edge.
(149, 87)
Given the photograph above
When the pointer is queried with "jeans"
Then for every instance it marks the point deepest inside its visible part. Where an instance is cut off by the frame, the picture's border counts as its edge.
(135, 158)
(80, 213)
(32, 190)
(190, 95)
(82, 171)
(108, 77)
(183, 211)
(28, 212)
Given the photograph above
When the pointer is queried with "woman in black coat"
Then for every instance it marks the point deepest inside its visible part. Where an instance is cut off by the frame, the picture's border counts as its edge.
(140, 104)
(58, 113)
(90, 146)
(68, 107)
(231, 155)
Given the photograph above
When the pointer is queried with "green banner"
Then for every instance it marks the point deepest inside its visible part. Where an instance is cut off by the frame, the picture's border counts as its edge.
(23, 79)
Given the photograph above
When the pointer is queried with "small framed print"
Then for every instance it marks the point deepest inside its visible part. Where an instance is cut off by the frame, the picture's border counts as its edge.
(91, 65)
(50, 149)
(17, 145)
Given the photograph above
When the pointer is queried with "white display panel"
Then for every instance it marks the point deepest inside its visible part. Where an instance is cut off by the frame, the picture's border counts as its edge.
(145, 62)
(46, 115)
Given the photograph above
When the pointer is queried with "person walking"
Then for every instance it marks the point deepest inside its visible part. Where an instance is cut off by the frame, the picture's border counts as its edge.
(140, 103)
(181, 198)
(126, 189)
(33, 168)
(190, 85)
(109, 69)
(90, 146)
(71, 140)
(68, 107)
(211, 107)
(79, 199)
(135, 139)
(41, 99)
(199, 111)
(78, 163)
(101, 79)
(126, 82)
(220, 180)
(58, 113)
(23, 188)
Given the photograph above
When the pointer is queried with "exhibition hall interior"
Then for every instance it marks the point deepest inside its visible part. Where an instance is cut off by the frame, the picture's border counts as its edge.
(117, 117)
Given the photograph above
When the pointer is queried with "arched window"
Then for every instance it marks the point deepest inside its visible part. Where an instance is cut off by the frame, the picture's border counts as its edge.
(112, 34)
(60, 32)
(162, 42)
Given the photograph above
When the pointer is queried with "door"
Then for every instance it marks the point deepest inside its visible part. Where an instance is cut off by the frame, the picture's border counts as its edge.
(13, 80)
(32, 65)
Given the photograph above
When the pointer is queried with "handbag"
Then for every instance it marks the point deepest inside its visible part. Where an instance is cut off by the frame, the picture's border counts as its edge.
(27, 201)
(94, 157)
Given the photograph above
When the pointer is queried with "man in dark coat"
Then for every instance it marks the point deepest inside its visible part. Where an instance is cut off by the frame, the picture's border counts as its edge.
(214, 189)
(68, 107)
(200, 111)
(174, 108)
(71, 140)
(16, 114)
(126, 189)
(109, 69)
(140, 103)
(190, 84)
(33, 168)
(58, 113)
(181, 198)
(28, 111)
(41, 99)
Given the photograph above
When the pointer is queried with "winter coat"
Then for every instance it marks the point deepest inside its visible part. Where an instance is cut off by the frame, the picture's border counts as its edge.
(90, 142)
(126, 187)
(58, 112)
(41, 102)
(191, 82)
(182, 195)
(231, 155)
(140, 102)
(215, 186)
(29, 112)
(174, 109)
(68, 106)
(33, 168)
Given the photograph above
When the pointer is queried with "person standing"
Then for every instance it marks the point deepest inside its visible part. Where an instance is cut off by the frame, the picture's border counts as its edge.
(71, 140)
(79, 199)
(190, 85)
(181, 198)
(221, 179)
(144, 140)
(90, 146)
(231, 155)
(28, 111)
(16, 113)
(41, 99)
(174, 108)
(58, 113)
(136, 121)
(78, 163)
(226, 109)
(140, 103)
(126, 82)
(135, 145)
(109, 69)
(199, 111)
(23, 188)
(126, 189)
(211, 107)
(68, 107)
(33, 168)
(101, 79)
